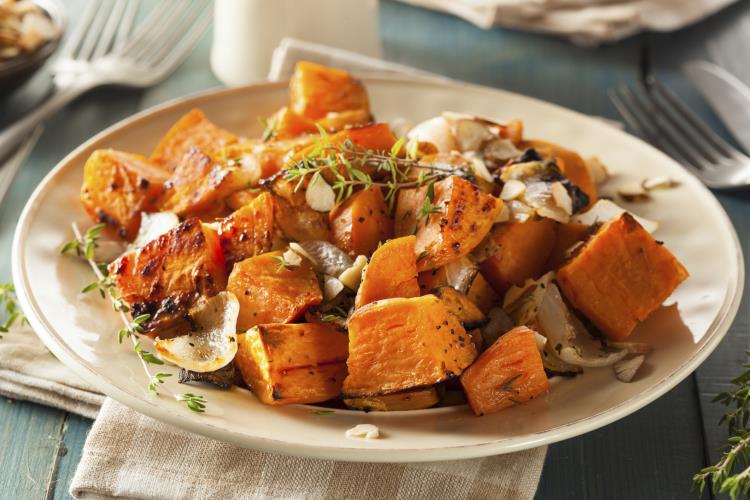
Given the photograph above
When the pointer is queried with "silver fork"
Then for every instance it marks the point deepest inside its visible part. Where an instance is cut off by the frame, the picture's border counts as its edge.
(102, 51)
(662, 119)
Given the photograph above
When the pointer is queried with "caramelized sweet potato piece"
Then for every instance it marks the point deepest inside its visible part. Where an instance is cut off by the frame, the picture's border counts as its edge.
(464, 215)
(401, 344)
(408, 203)
(482, 294)
(359, 224)
(417, 399)
(524, 250)
(373, 136)
(335, 121)
(391, 272)
(288, 364)
(271, 293)
(568, 235)
(286, 124)
(460, 306)
(168, 275)
(193, 130)
(198, 185)
(260, 160)
(571, 164)
(250, 231)
(118, 186)
(239, 199)
(620, 276)
(509, 372)
(315, 91)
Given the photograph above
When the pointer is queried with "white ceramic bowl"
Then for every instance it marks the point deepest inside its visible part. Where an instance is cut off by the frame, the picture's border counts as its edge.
(81, 330)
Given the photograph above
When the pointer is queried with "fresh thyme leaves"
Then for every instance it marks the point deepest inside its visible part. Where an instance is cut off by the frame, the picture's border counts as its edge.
(194, 402)
(9, 307)
(283, 263)
(422, 255)
(145, 355)
(349, 167)
(156, 379)
(508, 385)
(86, 245)
(270, 127)
(428, 207)
(336, 314)
(731, 474)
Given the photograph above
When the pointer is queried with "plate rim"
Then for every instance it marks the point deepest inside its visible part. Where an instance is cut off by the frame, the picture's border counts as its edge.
(55, 342)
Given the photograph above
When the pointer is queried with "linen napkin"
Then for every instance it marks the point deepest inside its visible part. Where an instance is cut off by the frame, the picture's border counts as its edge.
(133, 456)
(584, 21)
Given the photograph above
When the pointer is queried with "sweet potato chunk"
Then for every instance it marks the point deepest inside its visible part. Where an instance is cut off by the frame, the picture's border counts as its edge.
(482, 294)
(286, 124)
(408, 203)
(509, 372)
(335, 121)
(250, 231)
(620, 276)
(191, 131)
(268, 292)
(460, 306)
(401, 344)
(568, 235)
(359, 224)
(168, 275)
(316, 90)
(463, 217)
(288, 364)
(373, 136)
(524, 250)
(417, 399)
(199, 186)
(571, 164)
(391, 272)
(118, 186)
(259, 159)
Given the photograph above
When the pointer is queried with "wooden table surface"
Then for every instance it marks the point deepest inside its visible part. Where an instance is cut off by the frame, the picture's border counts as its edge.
(650, 454)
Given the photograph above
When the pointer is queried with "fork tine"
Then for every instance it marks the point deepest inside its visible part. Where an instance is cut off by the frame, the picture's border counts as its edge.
(109, 29)
(179, 31)
(184, 46)
(126, 25)
(690, 117)
(143, 34)
(92, 36)
(76, 36)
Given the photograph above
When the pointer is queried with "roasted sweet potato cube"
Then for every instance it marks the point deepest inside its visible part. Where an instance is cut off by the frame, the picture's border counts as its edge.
(335, 121)
(239, 199)
(408, 203)
(509, 372)
(288, 364)
(269, 292)
(568, 236)
(462, 216)
(199, 185)
(359, 224)
(620, 276)
(401, 344)
(118, 186)
(250, 231)
(286, 124)
(482, 294)
(524, 248)
(417, 399)
(571, 164)
(460, 306)
(391, 272)
(193, 130)
(168, 275)
(259, 159)
(315, 91)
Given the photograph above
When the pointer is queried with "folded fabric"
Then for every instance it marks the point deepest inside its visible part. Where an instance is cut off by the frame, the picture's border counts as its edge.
(133, 456)
(29, 371)
(583, 21)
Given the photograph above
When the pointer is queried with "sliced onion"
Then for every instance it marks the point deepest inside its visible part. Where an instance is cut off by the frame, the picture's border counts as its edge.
(486, 249)
(331, 288)
(626, 369)
(213, 343)
(512, 190)
(436, 131)
(605, 210)
(326, 257)
(479, 168)
(154, 225)
(597, 171)
(319, 195)
(470, 134)
(460, 274)
(561, 197)
(499, 150)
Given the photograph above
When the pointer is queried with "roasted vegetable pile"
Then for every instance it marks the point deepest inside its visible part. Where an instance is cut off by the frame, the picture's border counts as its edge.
(331, 261)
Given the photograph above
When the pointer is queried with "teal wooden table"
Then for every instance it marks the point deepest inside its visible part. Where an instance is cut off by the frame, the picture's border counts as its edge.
(650, 454)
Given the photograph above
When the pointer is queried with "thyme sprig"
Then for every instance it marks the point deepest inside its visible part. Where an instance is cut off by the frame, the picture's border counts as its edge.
(351, 167)
(85, 244)
(10, 311)
(731, 474)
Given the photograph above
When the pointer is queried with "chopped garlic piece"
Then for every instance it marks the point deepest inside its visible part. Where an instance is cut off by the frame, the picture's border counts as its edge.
(512, 190)
(319, 195)
(632, 192)
(352, 276)
(661, 182)
(292, 258)
(597, 170)
(562, 198)
(363, 431)
(331, 288)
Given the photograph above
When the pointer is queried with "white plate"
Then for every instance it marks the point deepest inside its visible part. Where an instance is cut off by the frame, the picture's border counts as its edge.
(81, 330)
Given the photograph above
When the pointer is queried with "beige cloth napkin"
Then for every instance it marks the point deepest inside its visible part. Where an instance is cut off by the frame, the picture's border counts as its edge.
(583, 21)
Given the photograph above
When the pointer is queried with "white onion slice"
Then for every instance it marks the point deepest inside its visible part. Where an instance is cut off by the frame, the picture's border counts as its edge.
(154, 225)
(460, 273)
(326, 257)
(213, 344)
(319, 195)
(605, 210)
(436, 131)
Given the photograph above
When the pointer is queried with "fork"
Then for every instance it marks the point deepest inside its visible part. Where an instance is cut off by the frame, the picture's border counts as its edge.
(656, 114)
(103, 51)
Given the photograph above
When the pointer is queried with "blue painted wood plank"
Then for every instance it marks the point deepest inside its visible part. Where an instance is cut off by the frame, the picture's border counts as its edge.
(75, 430)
